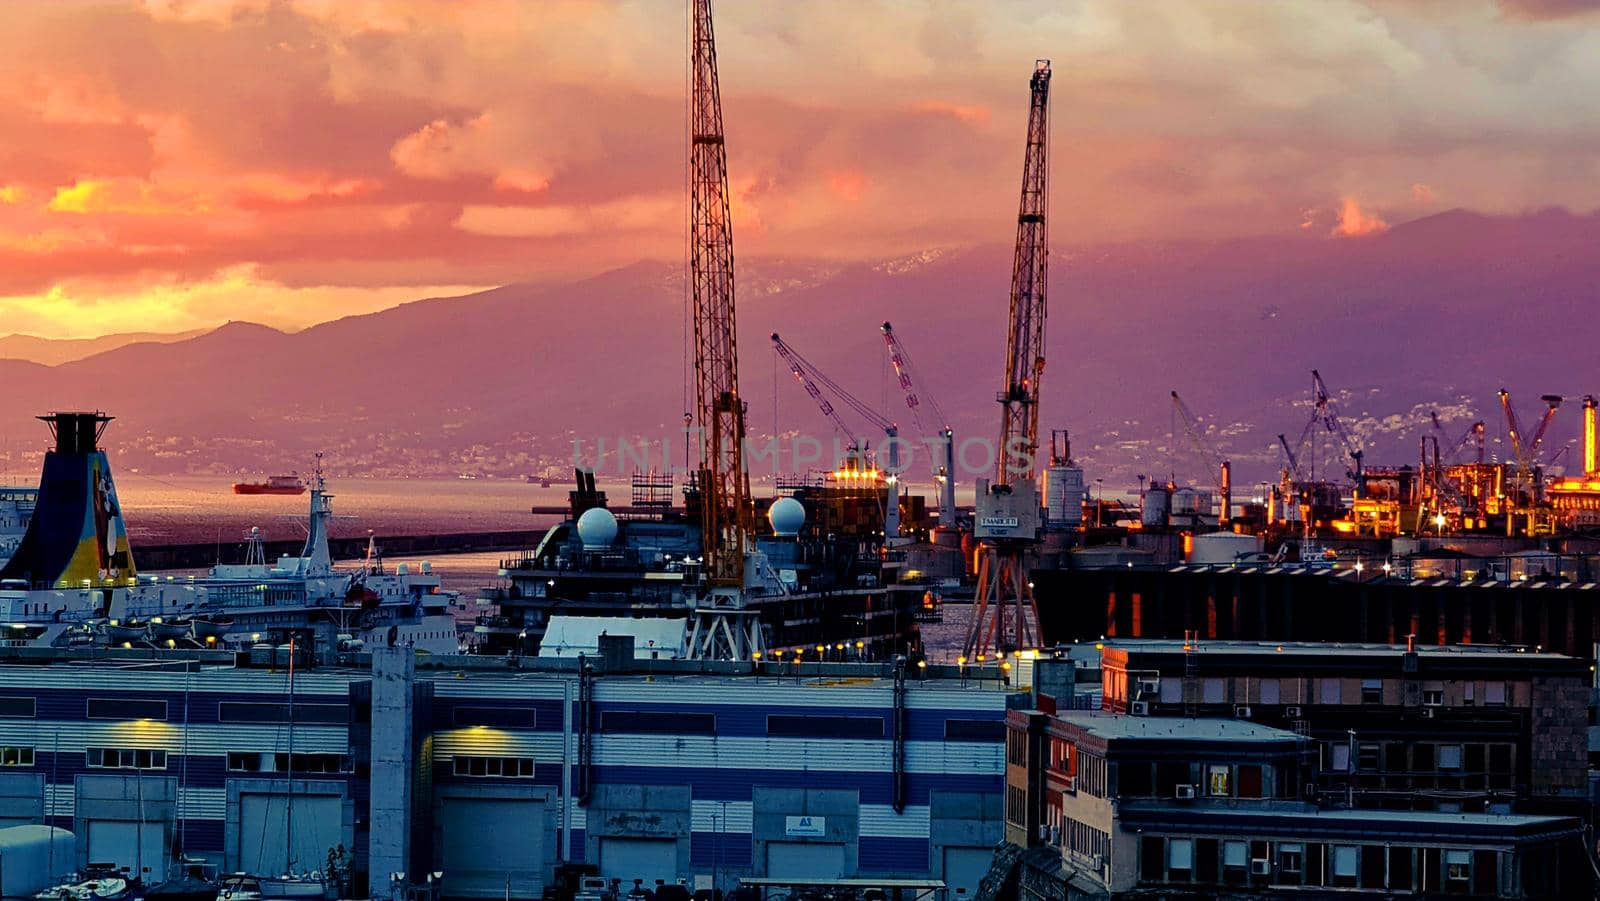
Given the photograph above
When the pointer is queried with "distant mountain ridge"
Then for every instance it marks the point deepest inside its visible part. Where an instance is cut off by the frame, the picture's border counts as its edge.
(54, 351)
(1433, 314)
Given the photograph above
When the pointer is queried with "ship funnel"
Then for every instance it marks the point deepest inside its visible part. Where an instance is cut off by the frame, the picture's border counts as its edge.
(1591, 453)
(77, 535)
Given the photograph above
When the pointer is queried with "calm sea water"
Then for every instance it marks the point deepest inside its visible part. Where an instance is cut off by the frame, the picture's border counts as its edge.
(200, 509)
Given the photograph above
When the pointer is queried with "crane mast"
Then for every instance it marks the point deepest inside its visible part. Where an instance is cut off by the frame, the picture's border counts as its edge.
(724, 484)
(1008, 511)
(1019, 425)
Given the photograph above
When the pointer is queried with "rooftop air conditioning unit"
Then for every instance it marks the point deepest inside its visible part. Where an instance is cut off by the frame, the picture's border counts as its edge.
(1044, 832)
(1242, 712)
(1260, 867)
(1099, 861)
(1149, 687)
(1292, 713)
(1055, 835)
(1072, 785)
(1185, 793)
(1427, 713)
(1139, 708)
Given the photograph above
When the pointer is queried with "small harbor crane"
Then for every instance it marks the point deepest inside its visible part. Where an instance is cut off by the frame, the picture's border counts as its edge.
(809, 377)
(1209, 453)
(944, 467)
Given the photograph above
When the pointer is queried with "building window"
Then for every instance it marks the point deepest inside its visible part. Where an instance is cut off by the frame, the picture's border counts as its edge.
(1180, 859)
(1367, 756)
(974, 730)
(271, 712)
(1433, 697)
(270, 762)
(640, 722)
(1344, 864)
(1214, 691)
(501, 767)
(1494, 694)
(1457, 868)
(1330, 691)
(1271, 691)
(1234, 855)
(1250, 780)
(15, 755)
(125, 709)
(790, 726)
(1339, 757)
(1372, 691)
(1291, 857)
(125, 758)
(1217, 781)
(17, 708)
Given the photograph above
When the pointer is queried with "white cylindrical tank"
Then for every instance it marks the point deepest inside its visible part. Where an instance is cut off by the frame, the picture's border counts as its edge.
(597, 528)
(1156, 506)
(34, 858)
(1223, 547)
(787, 517)
(1063, 496)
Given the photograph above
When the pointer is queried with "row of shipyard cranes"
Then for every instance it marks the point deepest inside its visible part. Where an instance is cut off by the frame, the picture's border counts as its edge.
(1451, 488)
(724, 620)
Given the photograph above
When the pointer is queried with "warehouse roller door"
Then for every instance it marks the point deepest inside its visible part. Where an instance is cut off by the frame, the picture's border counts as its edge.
(646, 859)
(130, 845)
(805, 860)
(492, 847)
(964, 867)
(264, 848)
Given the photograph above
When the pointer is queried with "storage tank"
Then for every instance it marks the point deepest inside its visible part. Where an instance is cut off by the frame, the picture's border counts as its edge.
(1223, 547)
(1063, 496)
(34, 858)
(1189, 503)
(1157, 505)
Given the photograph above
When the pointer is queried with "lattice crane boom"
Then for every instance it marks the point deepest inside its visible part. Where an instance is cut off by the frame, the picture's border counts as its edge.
(726, 513)
(1019, 428)
(944, 466)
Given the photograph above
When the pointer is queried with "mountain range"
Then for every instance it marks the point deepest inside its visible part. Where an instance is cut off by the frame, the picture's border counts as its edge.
(1431, 315)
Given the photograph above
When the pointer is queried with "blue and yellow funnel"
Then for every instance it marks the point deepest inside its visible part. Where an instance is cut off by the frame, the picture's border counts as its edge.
(77, 535)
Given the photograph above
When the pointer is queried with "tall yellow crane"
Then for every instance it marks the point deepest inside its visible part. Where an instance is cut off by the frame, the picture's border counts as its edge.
(1008, 511)
(722, 627)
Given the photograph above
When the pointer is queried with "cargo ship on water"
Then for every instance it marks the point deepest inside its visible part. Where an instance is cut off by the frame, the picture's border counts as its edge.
(290, 484)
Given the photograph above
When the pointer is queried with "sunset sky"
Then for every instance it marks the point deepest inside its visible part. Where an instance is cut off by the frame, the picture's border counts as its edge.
(171, 164)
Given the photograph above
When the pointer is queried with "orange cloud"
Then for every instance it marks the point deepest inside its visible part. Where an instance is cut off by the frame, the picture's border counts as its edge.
(1422, 194)
(847, 185)
(970, 113)
(122, 196)
(1354, 221)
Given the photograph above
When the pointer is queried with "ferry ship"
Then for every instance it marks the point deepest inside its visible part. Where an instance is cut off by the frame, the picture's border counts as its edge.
(289, 484)
(73, 580)
(16, 508)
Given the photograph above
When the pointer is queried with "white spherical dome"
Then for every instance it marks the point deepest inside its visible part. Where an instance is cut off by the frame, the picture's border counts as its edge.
(597, 528)
(787, 515)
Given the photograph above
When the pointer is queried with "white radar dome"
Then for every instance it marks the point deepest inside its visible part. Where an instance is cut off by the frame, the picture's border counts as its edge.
(597, 528)
(787, 515)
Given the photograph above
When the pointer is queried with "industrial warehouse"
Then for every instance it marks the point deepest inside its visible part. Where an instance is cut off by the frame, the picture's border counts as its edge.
(498, 777)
